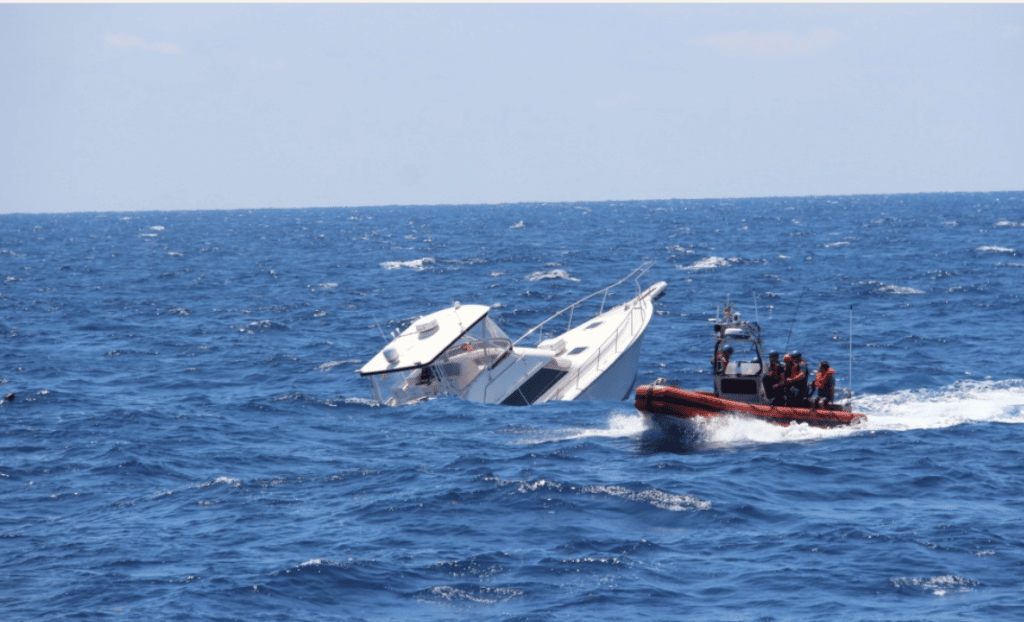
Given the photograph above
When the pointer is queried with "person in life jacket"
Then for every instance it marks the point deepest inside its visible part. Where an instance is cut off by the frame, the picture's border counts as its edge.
(781, 386)
(796, 382)
(773, 379)
(721, 361)
(825, 385)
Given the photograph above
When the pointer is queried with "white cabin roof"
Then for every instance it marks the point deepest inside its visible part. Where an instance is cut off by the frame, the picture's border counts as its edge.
(426, 339)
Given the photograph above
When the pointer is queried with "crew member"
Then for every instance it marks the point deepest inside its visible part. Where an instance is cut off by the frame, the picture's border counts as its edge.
(721, 361)
(772, 380)
(797, 381)
(783, 386)
(825, 384)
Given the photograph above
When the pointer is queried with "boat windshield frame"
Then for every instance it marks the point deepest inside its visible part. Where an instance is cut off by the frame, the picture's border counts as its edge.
(476, 350)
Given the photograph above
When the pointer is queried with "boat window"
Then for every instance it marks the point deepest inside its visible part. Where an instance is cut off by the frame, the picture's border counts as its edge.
(594, 325)
(745, 359)
(741, 386)
(577, 350)
(533, 388)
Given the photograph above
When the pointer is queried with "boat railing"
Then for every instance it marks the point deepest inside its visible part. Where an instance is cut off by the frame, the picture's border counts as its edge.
(609, 346)
(635, 275)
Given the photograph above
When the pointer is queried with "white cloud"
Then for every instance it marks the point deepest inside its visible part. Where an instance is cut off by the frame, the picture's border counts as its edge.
(771, 44)
(130, 42)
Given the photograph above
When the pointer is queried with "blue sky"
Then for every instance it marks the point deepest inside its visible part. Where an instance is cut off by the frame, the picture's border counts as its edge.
(192, 106)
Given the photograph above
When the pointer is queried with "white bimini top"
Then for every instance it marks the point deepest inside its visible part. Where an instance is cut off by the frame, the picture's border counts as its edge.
(426, 339)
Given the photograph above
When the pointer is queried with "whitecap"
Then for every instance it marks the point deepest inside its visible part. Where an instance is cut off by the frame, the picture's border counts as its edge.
(836, 244)
(328, 285)
(552, 274)
(480, 594)
(518, 225)
(1007, 223)
(708, 263)
(939, 586)
(995, 249)
(896, 289)
(332, 364)
(652, 496)
(230, 481)
(156, 228)
(415, 264)
(886, 288)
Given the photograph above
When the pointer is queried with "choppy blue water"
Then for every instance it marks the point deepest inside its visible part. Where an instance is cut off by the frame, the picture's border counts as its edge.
(190, 440)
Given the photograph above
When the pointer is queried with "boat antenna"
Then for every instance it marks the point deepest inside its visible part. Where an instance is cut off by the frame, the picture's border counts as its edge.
(383, 336)
(795, 315)
(850, 380)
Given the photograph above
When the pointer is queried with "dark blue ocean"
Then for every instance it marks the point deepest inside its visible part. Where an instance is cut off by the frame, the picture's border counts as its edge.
(189, 438)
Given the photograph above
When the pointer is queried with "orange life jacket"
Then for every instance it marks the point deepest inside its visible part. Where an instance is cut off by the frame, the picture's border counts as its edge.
(822, 377)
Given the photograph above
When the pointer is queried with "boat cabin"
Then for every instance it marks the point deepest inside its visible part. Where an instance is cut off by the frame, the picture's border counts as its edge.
(741, 378)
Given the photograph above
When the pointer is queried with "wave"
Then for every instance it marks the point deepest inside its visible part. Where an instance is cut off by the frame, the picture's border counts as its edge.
(551, 274)
(332, 364)
(885, 288)
(415, 264)
(652, 496)
(227, 481)
(995, 249)
(939, 586)
(708, 263)
(645, 495)
(620, 425)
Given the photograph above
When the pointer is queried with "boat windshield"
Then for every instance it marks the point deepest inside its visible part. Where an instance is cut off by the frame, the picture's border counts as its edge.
(745, 359)
(475, 351)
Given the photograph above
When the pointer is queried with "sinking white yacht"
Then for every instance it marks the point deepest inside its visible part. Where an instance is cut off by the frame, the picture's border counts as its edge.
(460, 351)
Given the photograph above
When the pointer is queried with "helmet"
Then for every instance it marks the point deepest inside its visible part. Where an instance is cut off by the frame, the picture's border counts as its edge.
(773, 354)
(727, 349)
(796, 354)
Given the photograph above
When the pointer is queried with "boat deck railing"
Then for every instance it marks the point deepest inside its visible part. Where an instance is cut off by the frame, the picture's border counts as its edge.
(610, 349)
(635, 275)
